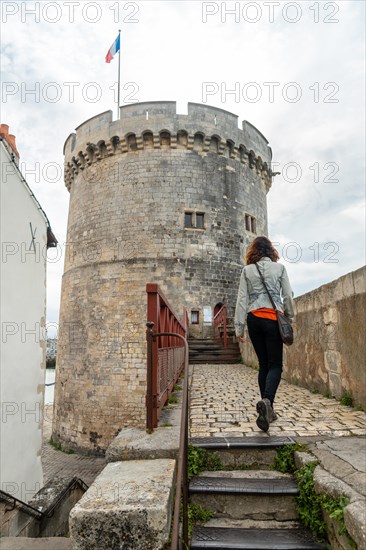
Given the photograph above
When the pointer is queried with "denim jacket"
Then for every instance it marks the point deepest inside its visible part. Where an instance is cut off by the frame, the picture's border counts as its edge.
(252, 294)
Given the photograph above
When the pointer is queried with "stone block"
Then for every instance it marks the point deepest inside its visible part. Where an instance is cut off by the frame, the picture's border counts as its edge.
(330, 315)
(355, 520)
(332, 361)
(335, 385)
(128, 506)
(359, 280)
(301, 459)
(326, 483)
(135, 444)
(348, 288)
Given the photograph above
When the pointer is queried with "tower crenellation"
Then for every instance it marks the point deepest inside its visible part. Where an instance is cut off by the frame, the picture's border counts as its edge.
(156, 124)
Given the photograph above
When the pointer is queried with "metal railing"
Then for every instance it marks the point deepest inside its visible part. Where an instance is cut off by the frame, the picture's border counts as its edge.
(181, 492)
(165, 352)
(36, 512)
(167, 358)
(220, 321)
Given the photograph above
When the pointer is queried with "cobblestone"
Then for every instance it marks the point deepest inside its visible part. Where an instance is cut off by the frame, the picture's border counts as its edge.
(223, 399)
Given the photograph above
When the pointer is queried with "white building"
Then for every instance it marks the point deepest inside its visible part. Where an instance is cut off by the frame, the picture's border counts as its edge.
(25, 237)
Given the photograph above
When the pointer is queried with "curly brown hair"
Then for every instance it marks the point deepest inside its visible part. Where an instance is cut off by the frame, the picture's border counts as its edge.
(260, 247)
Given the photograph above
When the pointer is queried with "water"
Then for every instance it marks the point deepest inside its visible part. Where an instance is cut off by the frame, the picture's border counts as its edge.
(49, 390)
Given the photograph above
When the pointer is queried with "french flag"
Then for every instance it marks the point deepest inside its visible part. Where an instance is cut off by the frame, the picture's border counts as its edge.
(113, 50)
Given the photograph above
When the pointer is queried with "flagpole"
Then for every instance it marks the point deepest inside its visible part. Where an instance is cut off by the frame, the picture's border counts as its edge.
(119, 74)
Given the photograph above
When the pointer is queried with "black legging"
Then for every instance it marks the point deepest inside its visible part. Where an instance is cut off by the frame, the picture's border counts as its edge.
(268, 346)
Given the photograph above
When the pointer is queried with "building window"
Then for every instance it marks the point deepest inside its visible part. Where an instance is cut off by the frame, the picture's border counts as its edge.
(194, 220)
(195, 317)
(199, 220)
(188, 219)
(250, 223)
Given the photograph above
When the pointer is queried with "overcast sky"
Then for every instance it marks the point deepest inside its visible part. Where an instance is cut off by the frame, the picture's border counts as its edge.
(295, 70)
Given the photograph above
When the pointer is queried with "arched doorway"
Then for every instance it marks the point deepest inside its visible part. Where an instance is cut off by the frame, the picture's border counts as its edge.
(217, 308)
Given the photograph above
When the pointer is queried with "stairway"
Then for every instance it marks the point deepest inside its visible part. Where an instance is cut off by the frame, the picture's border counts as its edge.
(213, 351)
(253, 506)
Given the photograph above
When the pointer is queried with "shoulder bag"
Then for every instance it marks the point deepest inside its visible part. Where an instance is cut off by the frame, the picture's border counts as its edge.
(284, 325)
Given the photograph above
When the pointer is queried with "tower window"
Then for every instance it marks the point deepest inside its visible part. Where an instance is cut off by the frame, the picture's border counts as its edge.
(188, 219)
(199, 220)
(250, 223)
(194, 220)
(195, 317)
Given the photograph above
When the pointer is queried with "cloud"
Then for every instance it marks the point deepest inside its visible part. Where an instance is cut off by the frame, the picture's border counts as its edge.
(168, 52)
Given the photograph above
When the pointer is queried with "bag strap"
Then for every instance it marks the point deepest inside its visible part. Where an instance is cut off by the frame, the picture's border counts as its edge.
(265, 286)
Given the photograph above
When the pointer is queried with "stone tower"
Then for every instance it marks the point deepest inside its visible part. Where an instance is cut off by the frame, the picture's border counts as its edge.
(154, 197)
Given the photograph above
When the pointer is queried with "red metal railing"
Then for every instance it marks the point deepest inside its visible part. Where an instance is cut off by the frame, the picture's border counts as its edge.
(181, 492)
(165, 352)
(220, 321)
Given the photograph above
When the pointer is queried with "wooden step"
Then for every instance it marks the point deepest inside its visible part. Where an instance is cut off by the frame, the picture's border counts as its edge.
(256, 495)
(228, 523)
(214, 356)
(41, 543)
(203, 351)
(216, 344)
(253, 539)
(242, 486)
(214, 361)
(212, 351)
(235, 452)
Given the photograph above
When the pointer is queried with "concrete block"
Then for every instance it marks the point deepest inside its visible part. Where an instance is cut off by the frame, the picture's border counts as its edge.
(135, 444)
(128, 506)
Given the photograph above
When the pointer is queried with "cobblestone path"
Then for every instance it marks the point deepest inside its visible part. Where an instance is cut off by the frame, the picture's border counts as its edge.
(223, 399)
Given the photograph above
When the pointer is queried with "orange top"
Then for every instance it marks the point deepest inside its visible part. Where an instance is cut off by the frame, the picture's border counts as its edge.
(266, 313)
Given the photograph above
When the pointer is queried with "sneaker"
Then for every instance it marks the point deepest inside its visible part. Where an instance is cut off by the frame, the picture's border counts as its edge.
(273, 416)
(264, 411)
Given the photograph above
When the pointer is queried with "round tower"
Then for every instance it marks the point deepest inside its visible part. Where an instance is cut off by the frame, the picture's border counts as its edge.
(154, 197)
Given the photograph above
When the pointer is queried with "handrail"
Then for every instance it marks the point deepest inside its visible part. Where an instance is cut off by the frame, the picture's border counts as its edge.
(182, 470)
(220, 319)
(165, 359)
(40, 514)
(7, 497)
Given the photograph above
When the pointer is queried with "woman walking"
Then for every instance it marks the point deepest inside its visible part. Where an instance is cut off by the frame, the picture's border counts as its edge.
(254, 308)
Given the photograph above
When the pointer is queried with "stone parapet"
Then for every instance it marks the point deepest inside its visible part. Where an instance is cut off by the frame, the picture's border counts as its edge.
(328, 354)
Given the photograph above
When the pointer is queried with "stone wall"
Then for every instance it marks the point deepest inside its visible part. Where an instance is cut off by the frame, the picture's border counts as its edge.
(329, 350)
(131, 182)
